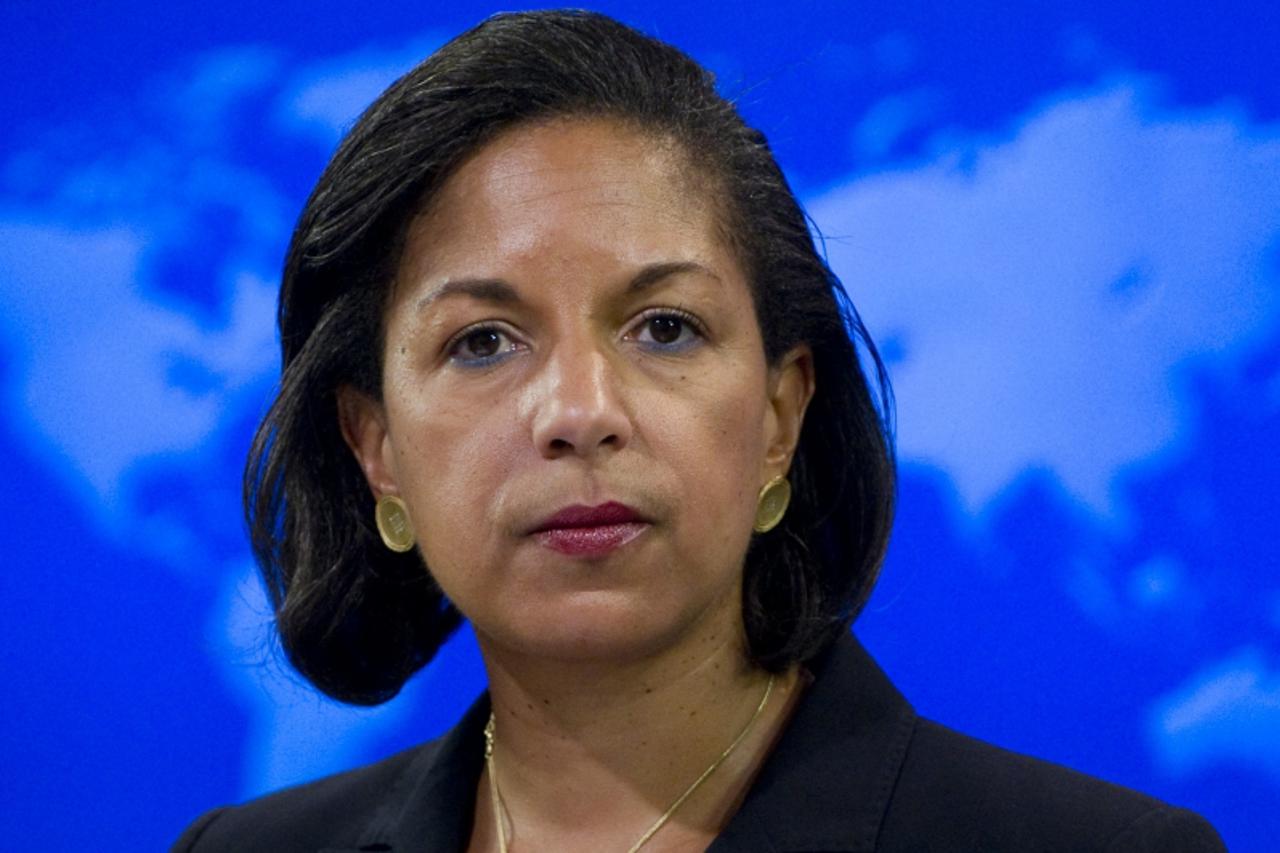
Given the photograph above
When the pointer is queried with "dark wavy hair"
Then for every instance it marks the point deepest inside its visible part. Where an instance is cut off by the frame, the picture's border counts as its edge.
(358, 620)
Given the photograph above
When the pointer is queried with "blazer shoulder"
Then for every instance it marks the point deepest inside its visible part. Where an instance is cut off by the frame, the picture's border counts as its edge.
(959, 793)
(1168, 829)
(329, 813)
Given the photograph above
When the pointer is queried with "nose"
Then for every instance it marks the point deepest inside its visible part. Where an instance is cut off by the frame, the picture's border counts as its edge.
(578, 407)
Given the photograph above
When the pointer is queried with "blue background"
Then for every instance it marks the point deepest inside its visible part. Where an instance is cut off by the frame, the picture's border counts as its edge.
(1061, 223)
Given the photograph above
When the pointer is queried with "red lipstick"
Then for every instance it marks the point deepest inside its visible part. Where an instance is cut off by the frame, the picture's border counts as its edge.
(590, 531)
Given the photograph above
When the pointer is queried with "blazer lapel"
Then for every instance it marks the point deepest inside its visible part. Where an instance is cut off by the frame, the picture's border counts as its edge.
(430, 808)
(827, 785)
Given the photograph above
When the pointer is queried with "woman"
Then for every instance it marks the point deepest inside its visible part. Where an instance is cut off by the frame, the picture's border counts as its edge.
(560, 358)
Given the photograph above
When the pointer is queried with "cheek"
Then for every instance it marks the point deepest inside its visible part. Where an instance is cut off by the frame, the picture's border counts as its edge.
(719, 490)
(451, 459)
(719, 447)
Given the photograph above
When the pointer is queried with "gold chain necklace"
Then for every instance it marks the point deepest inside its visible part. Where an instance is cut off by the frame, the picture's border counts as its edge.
(660, 822)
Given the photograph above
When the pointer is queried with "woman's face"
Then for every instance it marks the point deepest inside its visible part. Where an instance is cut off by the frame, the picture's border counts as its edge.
(568, 332)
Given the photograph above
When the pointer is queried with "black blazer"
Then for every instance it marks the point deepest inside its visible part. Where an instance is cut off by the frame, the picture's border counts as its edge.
(855, 770)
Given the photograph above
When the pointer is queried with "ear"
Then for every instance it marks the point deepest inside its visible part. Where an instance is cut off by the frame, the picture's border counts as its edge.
(363, 421)
(790, 388)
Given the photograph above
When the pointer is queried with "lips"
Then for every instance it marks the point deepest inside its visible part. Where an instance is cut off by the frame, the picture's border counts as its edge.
(590, 516)
(590, 531)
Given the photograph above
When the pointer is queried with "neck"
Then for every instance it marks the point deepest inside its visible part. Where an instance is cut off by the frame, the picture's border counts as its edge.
(589, 754)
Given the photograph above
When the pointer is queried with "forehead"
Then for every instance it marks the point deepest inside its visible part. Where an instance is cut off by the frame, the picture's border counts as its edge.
(568, 187)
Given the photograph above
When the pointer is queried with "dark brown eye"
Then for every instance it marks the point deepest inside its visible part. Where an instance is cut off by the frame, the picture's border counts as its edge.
(481, 347)
(668, 331)
(482, 343)
(665, 329)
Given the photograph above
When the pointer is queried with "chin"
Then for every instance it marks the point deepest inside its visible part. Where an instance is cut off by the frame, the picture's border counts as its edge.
(605, 628)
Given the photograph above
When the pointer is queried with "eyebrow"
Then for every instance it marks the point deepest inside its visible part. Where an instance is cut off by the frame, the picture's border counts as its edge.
(500, 292)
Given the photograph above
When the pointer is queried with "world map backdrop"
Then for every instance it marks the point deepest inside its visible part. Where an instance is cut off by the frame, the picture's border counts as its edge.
(1060, 225)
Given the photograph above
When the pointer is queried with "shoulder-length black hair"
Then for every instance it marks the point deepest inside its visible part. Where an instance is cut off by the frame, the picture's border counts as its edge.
(357, 619)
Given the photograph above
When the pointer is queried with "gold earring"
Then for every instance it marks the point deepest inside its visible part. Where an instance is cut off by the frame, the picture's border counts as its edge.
(771, 504)
(392, 517)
